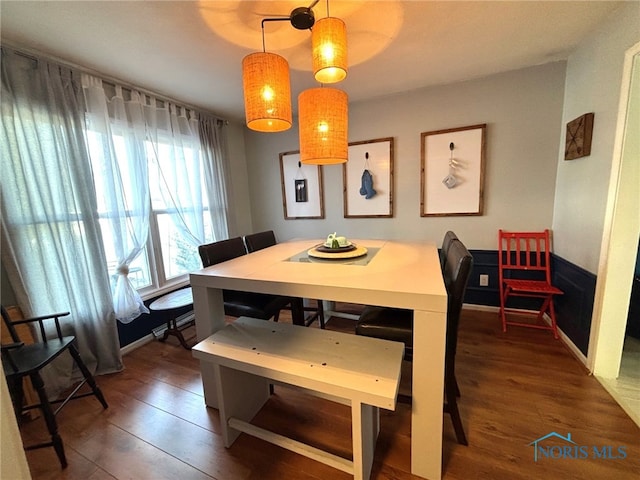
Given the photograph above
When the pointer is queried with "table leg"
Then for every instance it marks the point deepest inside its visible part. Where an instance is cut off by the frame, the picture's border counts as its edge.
(429, 329)
(209, 311)
(172, 329)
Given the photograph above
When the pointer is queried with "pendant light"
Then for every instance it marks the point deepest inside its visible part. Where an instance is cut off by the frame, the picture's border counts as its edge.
(323, 117)
(323, 112)
(329, 50)
(267, 92)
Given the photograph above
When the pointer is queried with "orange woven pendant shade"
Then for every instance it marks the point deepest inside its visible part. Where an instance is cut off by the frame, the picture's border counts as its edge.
(323, 116)
(267, 92)
(329, 49)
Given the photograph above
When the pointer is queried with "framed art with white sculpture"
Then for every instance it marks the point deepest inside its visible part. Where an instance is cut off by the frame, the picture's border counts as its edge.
(452, 171)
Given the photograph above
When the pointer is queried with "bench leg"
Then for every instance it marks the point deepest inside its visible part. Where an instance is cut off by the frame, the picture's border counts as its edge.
(240, 395)
(365, 426)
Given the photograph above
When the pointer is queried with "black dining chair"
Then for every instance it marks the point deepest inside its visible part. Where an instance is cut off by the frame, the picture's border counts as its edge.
(449, 237)
(397, 324)
(236, 303)
(260, 240)
(20, 360)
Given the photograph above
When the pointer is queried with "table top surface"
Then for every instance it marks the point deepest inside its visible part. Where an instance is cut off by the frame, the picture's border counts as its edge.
(401, 274)
(178, 299)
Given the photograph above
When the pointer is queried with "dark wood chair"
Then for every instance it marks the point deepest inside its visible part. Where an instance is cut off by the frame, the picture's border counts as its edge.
(20, 360)
(260, 240)
(397, 324)
(236, 303)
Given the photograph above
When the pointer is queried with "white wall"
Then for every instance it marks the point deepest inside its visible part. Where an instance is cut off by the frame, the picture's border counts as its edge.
(523, 112)
(594, 75)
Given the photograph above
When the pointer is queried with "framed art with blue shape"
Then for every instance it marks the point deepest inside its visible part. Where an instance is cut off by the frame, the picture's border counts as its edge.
(367, 179)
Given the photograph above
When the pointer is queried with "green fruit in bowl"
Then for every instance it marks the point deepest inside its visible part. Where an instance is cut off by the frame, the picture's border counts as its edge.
(335, 243)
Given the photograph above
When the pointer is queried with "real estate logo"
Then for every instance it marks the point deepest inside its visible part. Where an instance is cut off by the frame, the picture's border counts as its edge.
(567, 448)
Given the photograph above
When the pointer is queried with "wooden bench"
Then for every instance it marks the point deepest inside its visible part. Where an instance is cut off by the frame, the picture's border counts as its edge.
(250, 354)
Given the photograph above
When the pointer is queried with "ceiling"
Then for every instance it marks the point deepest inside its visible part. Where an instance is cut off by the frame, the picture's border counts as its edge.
(192, 51)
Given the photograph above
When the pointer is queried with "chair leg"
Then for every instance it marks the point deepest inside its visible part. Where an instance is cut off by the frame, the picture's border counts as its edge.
(552, 314)
(87, 375)
(321, 314)
(297, 312)
(49, 418)
(452, 409)
(503, 315)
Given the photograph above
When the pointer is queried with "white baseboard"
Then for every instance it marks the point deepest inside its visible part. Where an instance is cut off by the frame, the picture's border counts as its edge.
(137, 344)
(467, 306)
(562, 336)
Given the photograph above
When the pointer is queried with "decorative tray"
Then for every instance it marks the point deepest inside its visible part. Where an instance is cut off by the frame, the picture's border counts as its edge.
(320, 251)
(323, 248)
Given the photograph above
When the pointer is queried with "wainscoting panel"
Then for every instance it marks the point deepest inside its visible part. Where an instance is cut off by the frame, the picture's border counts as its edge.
(573, 309)
(485, 262)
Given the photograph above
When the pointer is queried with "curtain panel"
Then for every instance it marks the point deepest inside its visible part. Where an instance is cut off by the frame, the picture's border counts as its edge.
(52, 245)
(121, 178)
(79, 160)
(149, 156)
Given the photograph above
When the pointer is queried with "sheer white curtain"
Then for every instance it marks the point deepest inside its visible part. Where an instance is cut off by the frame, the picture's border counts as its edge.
(51, 240)
(117, 134)
(175, 155)
(153, 161)
(189, 163)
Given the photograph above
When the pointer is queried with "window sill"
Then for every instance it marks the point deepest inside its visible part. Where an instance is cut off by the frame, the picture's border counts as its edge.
(169, 287)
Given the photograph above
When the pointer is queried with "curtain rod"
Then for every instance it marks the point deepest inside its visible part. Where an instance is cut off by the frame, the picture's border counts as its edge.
(35, 55)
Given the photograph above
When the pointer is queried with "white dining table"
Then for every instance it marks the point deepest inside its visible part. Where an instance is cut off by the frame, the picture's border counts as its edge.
(393, 274)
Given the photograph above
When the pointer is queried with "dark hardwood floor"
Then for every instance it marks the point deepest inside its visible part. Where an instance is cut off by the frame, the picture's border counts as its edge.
(516, 388)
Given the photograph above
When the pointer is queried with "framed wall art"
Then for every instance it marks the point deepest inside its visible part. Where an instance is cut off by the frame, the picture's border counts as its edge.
(578, 137)
(452, 171)
(302, 195)
(367, 179)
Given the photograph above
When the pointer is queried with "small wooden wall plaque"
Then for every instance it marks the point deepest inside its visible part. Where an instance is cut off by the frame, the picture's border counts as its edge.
(578, 140)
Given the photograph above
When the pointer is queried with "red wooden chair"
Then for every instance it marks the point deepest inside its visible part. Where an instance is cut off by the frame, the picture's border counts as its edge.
(520, 255)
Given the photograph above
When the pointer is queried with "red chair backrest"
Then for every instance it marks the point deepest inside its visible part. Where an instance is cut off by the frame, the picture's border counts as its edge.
(524, 251)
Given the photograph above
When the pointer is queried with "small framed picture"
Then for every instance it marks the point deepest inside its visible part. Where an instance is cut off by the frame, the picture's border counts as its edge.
(302, 195)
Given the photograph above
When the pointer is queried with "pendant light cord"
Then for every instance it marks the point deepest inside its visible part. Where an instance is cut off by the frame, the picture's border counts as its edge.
(273, 19)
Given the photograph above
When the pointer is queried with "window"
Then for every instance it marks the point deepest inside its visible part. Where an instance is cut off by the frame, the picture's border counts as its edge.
(169, 253)
(178, 255)
(125, 189)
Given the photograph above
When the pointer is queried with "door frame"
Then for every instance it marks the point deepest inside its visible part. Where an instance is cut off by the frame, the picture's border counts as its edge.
(621, 231)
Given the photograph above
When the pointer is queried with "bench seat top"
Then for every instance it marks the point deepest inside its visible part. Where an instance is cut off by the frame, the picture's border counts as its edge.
(347, 366)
